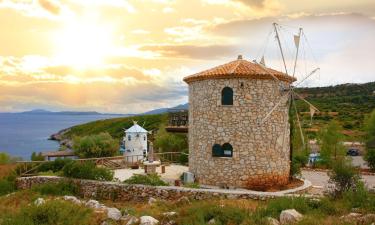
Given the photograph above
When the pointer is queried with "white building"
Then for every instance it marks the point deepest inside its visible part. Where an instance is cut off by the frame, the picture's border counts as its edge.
(135, 142)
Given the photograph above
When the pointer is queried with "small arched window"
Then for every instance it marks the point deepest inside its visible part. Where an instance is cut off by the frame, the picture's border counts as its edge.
(144, 137)
(227, 96)
(129, 138)
(227, 150)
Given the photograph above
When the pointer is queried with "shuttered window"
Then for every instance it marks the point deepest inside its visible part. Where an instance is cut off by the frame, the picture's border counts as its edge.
(226, 150)
(227, 96)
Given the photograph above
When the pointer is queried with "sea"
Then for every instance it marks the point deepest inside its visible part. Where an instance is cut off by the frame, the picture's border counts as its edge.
(23, 133)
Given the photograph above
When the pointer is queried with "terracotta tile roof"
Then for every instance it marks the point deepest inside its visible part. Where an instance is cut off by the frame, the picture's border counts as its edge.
(239, 68)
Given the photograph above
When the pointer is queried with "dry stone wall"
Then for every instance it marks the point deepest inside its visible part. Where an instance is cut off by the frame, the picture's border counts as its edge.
(126, 192)
(261, 153)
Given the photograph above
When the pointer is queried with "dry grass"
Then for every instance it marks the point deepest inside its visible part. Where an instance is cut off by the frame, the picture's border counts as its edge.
(6, 169)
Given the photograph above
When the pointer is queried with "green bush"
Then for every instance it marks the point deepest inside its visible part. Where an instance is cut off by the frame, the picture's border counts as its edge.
(52, 212)
(152, 179)
(5, 158)
(37, 156)
(95, 146)
(54, 166)
(344, 176)
(87, 170)
(60, 188)
(359, 198)
(7, 185)
(370, 158)
(330, 140)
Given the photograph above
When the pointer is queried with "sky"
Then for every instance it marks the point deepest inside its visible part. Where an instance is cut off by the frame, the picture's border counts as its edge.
(130, 56)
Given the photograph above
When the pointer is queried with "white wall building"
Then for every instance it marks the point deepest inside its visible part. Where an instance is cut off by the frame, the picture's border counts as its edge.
(135, 142)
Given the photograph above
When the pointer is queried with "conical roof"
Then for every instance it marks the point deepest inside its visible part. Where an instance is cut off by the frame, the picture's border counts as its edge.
(136, 129)
(239, 68)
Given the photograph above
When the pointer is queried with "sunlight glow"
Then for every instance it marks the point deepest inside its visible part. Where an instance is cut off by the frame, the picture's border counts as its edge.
(83, 45)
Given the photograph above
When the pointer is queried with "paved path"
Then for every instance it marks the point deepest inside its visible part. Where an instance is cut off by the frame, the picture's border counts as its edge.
(172, 172)
(321, 178)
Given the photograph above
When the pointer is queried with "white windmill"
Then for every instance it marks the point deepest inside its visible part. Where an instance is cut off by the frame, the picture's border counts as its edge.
(135, 143)
(291, 67)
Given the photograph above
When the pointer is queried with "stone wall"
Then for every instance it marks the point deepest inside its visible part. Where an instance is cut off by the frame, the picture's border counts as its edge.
(261, 153)
(125, 192)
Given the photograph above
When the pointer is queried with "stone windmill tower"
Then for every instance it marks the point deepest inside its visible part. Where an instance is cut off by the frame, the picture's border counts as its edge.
(229, 143)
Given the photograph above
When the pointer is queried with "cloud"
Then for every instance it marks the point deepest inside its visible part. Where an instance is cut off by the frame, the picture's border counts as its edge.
(256, 3)
(140, 31)
(51, 6)
(192, 51)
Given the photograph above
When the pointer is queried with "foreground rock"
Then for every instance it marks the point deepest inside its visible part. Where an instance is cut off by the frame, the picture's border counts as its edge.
(93, 204)
(148, 220)
(114, 213)
(72, 199)
(132, 220)
(358, 218)
(272, 221)
(290, 216)
(39, 201)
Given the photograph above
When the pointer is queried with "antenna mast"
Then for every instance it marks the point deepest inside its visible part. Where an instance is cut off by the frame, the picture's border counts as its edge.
(297, 41)
(281, 49)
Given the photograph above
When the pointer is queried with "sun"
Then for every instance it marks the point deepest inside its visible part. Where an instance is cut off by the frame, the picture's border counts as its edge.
(83, 45)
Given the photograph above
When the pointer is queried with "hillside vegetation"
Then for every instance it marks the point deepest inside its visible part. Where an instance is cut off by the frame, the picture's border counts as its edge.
(115, 127)
(349, 104)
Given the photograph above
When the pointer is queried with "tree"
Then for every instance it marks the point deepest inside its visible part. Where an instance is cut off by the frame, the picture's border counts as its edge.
(370, 140)
(37, 157)
(4, 158)
(330, 141)
(169, 142)
(95, 146)
(344, 176)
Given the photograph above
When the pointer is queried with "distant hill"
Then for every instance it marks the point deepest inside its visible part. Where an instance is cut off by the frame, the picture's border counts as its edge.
(164, 110)
(42, 111)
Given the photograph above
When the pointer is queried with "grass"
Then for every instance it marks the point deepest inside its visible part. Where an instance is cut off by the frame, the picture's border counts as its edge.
(57, 189)
(18, 209)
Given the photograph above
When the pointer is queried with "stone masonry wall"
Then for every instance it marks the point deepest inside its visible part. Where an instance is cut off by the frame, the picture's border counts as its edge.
(261, 154)
(126, 192)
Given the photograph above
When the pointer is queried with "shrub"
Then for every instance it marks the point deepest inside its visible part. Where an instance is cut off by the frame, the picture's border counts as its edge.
(60, 188)
(344, 176)
(4, 158)
(152, 179)
(97, 145)
(370, 158)
(87, 170)
(359, 198)
(7, 184)
(54, 166)
(37, 156)
(52, 212)
(330, 139)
